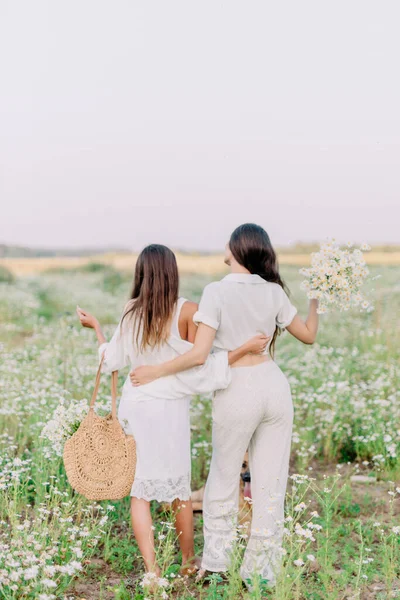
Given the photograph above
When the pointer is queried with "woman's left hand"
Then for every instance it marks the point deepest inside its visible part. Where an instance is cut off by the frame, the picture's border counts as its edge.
(257, 344)
(145, 374)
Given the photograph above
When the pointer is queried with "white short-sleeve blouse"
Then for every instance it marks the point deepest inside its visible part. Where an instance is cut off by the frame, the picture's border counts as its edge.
(241, 306)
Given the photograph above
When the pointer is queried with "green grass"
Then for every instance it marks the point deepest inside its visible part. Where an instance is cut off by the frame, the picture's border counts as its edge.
(5, 275)
(347, 421)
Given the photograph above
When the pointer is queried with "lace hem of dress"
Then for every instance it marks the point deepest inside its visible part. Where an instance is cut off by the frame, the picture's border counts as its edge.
(162, 490)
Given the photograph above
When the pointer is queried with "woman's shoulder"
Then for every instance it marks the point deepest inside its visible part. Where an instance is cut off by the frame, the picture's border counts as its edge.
(213, 285)
(188, 309)
(213, 288)
(280, 295)
(128, 306)
(126, 322)
(276, 288)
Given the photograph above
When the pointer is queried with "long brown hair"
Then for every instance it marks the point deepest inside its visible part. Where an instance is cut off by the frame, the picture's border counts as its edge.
(154, 295)
(252, 248)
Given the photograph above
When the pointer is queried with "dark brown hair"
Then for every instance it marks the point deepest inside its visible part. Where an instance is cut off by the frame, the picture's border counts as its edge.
(155, 293)
(252, 248)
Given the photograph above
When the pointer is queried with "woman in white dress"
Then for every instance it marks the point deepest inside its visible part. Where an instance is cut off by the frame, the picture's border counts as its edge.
(157, 326)
(255, 411)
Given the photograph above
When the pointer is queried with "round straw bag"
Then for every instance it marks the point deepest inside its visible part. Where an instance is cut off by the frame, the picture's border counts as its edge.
(99, 458)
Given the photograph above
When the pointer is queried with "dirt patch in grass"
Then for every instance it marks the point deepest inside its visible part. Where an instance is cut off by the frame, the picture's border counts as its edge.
(97, 582)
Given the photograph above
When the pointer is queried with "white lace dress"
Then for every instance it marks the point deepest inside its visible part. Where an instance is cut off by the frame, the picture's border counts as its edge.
(157, 414)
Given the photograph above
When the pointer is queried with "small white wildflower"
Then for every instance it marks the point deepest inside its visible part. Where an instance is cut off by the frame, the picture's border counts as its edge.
(31, 573)
(48, 583)
(396, 530)
(298, 562)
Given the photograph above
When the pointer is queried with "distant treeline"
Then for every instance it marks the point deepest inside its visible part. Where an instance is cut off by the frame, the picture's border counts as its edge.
(8, 251)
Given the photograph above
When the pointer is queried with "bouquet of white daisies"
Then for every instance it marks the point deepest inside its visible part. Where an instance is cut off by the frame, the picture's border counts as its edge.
(63, 423)
(336, 277)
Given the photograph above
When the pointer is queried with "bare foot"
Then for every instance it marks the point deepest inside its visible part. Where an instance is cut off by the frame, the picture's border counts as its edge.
(200, 575)
(190, 567)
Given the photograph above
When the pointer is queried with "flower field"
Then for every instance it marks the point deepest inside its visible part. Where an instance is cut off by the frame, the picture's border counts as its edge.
(343, 506)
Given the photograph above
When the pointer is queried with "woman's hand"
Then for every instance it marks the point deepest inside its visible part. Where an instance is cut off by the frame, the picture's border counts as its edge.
(257, 344)
(144, 374)
(86, 319)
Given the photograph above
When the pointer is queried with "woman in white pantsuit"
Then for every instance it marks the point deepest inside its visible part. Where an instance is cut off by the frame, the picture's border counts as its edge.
(255, 411)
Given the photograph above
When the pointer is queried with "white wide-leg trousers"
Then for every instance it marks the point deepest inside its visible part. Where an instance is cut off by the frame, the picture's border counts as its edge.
(256, 413)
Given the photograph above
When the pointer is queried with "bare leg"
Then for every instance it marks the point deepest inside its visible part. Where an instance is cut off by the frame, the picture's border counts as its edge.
(184, 530)
(142, 525)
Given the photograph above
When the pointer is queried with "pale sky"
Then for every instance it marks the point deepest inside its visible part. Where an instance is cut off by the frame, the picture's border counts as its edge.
(126, 122)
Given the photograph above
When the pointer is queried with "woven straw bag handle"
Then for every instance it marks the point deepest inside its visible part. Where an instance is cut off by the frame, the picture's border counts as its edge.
(114, 381)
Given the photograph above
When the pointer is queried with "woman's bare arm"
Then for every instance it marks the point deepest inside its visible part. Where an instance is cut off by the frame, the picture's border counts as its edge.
(90, 321)
(255, 345)
(306, 331)
(196, 356)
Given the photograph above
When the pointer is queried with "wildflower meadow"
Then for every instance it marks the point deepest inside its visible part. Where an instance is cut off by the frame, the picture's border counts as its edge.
(342, 526)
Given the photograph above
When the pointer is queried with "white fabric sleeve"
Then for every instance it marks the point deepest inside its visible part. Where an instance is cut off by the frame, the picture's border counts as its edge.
(115, 351)
(286, 312)
(209, 311)
(214, 375)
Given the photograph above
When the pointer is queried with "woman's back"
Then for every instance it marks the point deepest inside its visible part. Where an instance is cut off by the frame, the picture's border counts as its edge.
(154, 355)
(242, 305)
(125, 347)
